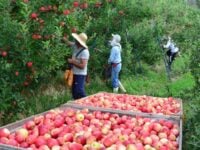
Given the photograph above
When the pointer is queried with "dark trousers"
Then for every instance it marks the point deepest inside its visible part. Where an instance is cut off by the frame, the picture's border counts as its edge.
(78, 86)
(171, 57)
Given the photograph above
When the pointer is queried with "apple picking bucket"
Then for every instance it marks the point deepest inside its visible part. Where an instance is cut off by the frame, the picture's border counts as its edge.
(81, 109)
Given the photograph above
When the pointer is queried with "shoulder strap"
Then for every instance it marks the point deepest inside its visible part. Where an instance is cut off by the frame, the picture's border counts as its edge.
(79, 52)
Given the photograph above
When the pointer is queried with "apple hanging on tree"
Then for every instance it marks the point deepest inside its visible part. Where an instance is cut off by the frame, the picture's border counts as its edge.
(34, 16)
(4, 53)
(16, 73)
(29, 64)
(75, 4)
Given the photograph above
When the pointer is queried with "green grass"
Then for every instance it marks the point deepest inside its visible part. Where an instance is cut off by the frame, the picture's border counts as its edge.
(156, 84)
(98, 85)
(154, 80)
(183, 83)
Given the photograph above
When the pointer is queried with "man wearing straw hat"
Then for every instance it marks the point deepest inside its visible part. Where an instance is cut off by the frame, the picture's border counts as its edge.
(79, 63)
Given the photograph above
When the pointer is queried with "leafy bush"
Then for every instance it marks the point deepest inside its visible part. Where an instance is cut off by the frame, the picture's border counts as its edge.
(195, 64)
(191, 121)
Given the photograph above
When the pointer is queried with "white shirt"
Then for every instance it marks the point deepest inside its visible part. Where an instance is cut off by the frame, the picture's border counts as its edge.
(82, 55)
(171, 46)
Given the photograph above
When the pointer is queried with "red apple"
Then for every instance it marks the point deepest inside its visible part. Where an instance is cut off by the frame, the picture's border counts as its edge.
(86, 122)
(80, 139)
(75, 146)
(97, 134)
(139, 146)
(24, 144)
(55, 132)
(31, 139)
(30, 125)
(34, 16)
(4, 132)
(43, 129)
(69, 112)
(59, 121)
(168, 124)
(36, 36)
(68, 137)
(75, 4)
(17, 73)
(66, 12)
(107, 142)
(84, 5)
(26, 1)
(4, 140)
(74, 30)
(66, 129)
(44, 147)
(65, 147)
(29, 64)
(35, 131)
(175, 131)
(43, 9)
(98, 4)
(40, 141)
(3, 53)
(13, 142)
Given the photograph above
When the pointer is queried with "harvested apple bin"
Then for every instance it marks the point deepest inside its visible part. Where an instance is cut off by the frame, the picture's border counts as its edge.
(73, 129)
(133, 103)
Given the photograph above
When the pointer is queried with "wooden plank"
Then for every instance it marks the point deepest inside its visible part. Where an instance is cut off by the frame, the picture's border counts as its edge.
(8, 147)
(123, 112)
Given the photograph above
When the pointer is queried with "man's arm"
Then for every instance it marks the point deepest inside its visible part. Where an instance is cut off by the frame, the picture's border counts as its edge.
(69, 43)
(167, 45)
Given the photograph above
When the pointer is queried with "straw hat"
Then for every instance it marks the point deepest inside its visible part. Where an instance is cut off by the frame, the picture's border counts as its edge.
(81, 38)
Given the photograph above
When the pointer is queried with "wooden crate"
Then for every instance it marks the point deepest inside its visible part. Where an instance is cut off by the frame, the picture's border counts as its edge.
(16, 125)
(175, 119)
(179, 114)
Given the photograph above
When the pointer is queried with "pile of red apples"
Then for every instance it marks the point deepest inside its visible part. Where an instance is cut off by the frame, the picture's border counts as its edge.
(71, 129)
(144, 104)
